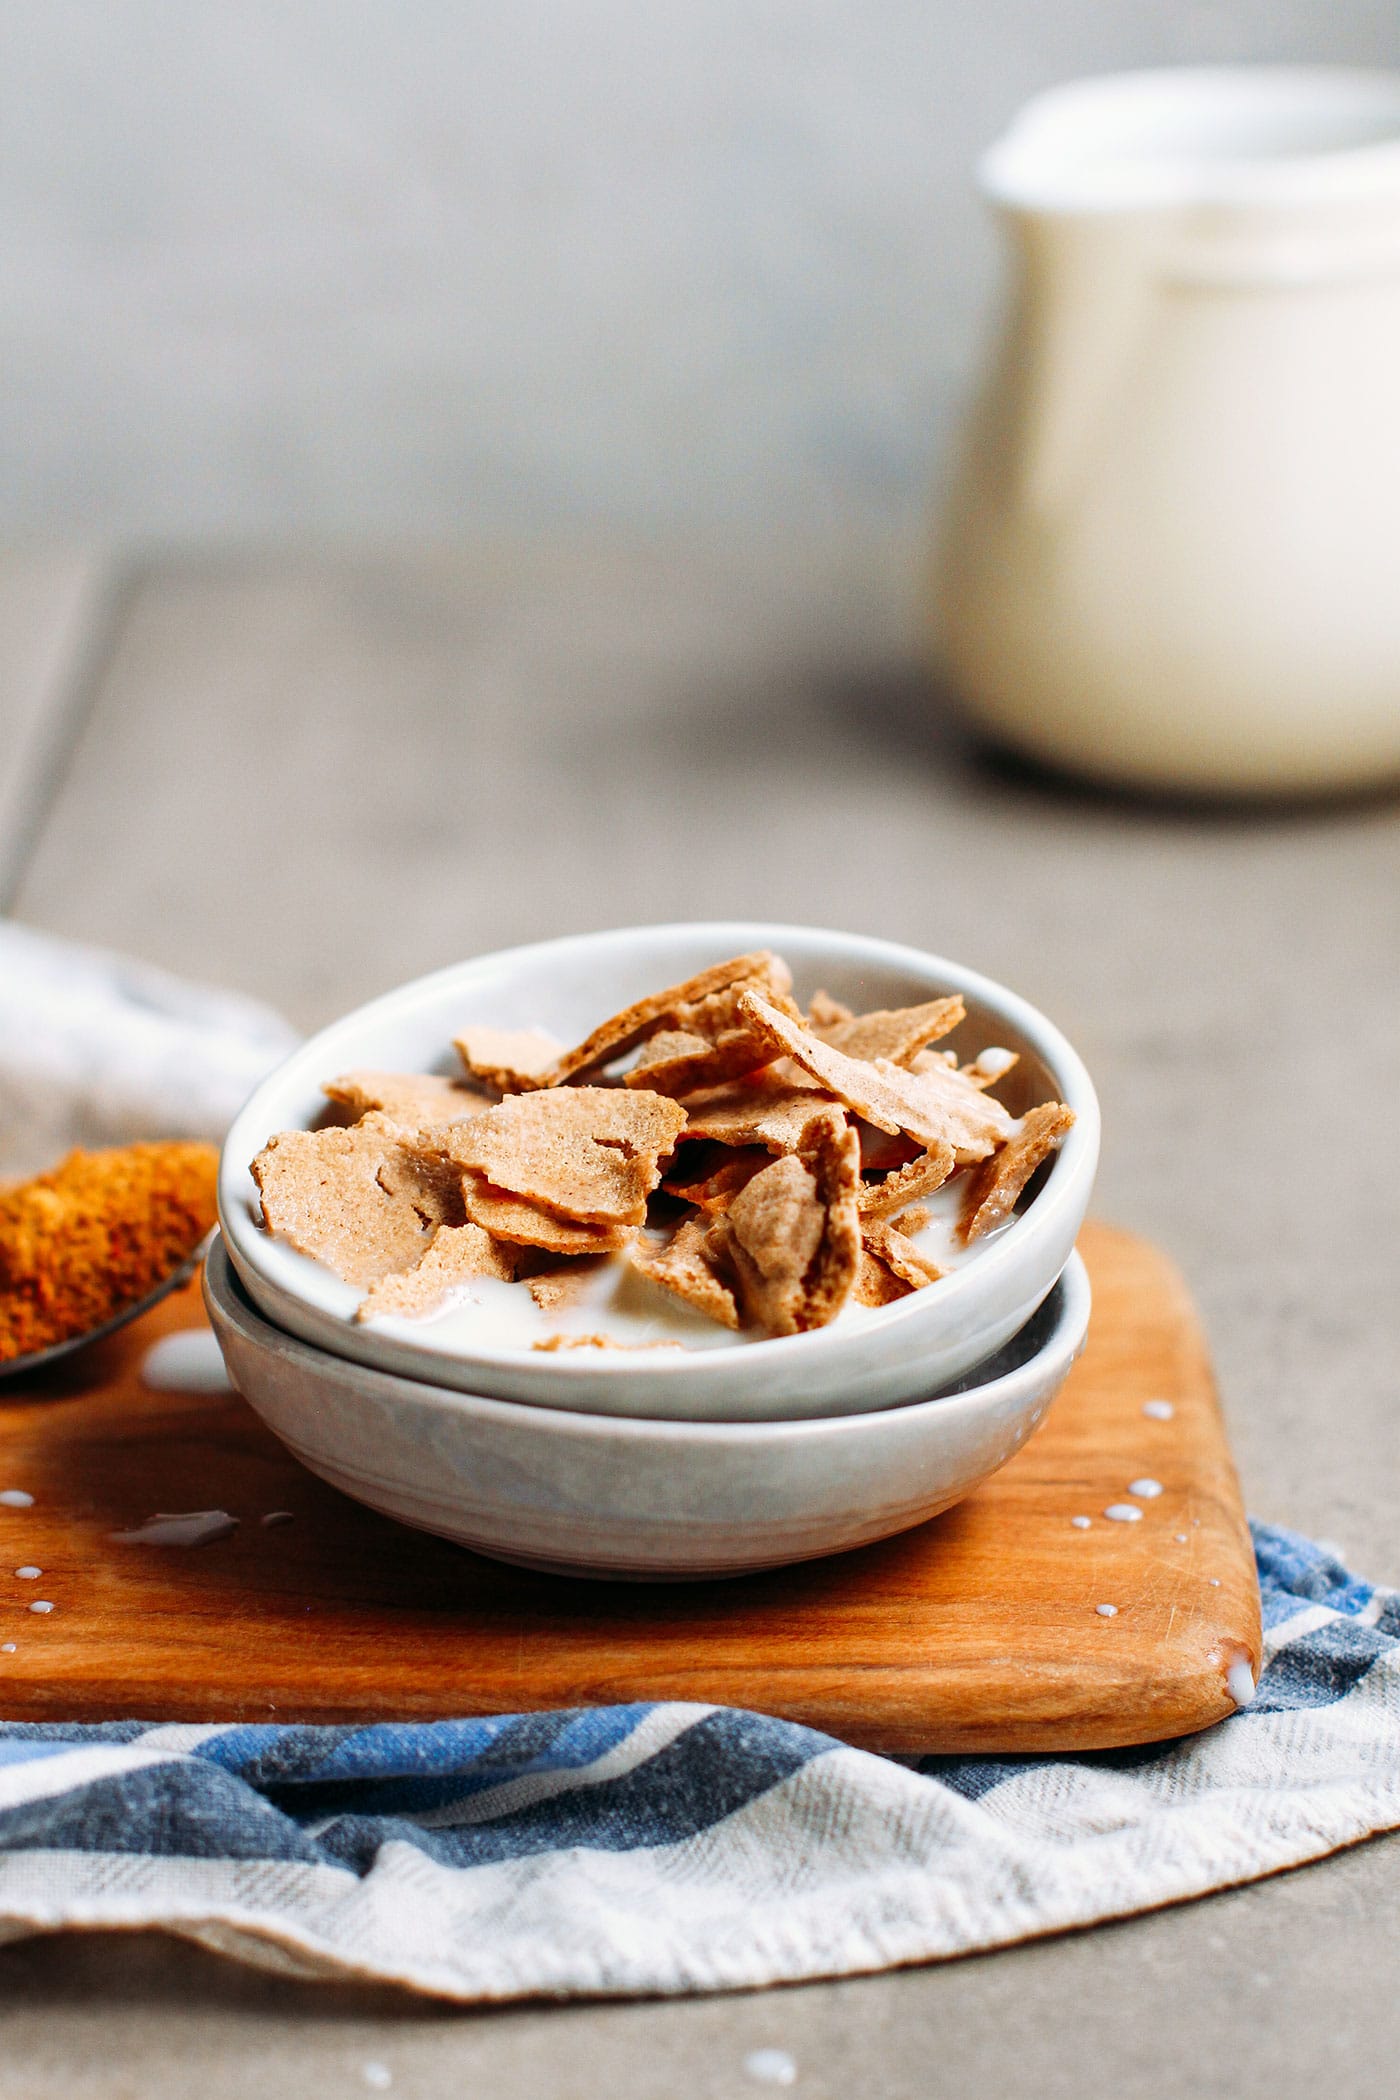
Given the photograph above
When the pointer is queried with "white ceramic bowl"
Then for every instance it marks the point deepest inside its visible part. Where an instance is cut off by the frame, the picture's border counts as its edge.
(607, 1496)
(922, 1343)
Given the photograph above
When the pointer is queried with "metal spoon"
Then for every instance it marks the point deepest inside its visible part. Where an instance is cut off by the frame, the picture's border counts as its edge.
(40, 1359)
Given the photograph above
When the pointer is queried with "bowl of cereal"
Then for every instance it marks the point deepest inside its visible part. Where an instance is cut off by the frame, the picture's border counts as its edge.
(614, 1496)
(697, 1172)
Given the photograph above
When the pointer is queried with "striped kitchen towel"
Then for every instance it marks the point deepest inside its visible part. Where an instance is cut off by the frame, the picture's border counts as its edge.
(671, 1848)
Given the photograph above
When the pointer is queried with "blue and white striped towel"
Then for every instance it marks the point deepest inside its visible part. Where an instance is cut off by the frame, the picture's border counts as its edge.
(668, 1848)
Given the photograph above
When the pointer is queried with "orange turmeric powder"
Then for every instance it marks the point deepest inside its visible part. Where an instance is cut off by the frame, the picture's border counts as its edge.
(81, 1243)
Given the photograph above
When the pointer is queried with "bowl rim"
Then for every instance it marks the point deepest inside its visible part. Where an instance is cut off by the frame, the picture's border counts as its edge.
(1069, 1166)
(1070, 1297)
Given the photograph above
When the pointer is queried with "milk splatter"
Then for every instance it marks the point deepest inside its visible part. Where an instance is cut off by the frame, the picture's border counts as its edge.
(1106, 1611)
(1239, 1682)
(29, 1574)
(1158, 1410)
(771, 2067)
(15, 1498)
(1146, 1489)
(41, 1604)
(1123, 1512)
(277, 1517)
(1081, 1523)
(197, 1527)
(185, 1363)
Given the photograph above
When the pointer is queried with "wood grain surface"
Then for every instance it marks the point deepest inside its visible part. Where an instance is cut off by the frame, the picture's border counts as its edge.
(979, 1631)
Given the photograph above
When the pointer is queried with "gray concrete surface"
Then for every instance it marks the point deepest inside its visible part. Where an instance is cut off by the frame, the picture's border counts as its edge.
(435, 265)
(315, 777)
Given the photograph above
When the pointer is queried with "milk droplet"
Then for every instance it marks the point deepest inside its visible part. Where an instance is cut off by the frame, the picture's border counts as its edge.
(378, 2076)
(275, 1517)
(1123, 1512)
(197, 1527)
(7, 1647)
(1239, 1682)
(29, 1574)
(1158, 1410)
(41, 1604)
(1106, 1611)
(771, 2067)
(1214, 1582)
(1146, 1488)
(995, 1061)
(185, 1363)
(1081, 1523)
(15, 1498)
(1180, 1537)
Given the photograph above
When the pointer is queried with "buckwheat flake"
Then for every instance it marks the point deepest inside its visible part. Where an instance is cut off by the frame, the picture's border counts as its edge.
(793, 1235)
(880, 1199)
(590, 1153)
(896, 1033)
(825, 1012)
(714, 1185)
(563, 1286)
(882, 1152)
(679, 1007)
(936, 1107)
(996, 1188)
(670, 1046)
(686, 1269)
(525, 1224)
(782, 1118)
(410, 1098)
(900, 1255)
(352, 1198)
(509, 1059)
(718, 1043)
(876, 1283)
(458, 1254)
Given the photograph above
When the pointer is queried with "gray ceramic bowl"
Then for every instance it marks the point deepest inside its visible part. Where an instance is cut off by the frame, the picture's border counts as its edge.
(924, 1342)
(617, 1497)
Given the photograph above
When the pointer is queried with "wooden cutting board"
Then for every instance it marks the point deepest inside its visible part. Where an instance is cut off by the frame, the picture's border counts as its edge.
(979, 1631)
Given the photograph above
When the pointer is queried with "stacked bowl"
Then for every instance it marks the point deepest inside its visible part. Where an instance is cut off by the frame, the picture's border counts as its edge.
(661, 1464)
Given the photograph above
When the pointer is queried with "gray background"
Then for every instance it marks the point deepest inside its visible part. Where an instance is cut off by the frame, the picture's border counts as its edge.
(433, 265)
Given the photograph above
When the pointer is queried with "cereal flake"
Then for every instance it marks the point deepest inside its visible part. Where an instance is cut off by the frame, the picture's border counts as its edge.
(509, 1059)
(590, 1153)
(881, 1199)
(409, 1098)
(458, 1254)
(996, 1187)
(792, 1236)
(898, 1033)
(936, 1107)
(354, 1198)
(686, 1269)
